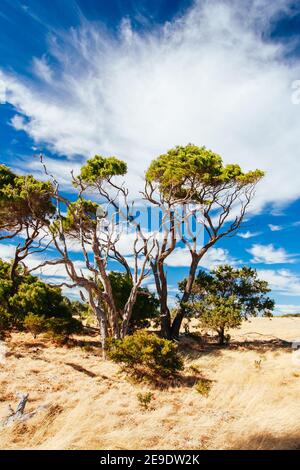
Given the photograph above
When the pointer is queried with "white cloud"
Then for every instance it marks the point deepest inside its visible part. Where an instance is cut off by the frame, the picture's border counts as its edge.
(287, 308)
(53, 273)
(248, 234)
(214, 257)
(268, 254)
(7, 251)
(282, 281)
(275, 228)
(42, 69)
(138, 94)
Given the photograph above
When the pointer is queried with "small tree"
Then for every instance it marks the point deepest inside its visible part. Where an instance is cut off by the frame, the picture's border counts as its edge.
(219, 314)
(146, 305)
(226, 296)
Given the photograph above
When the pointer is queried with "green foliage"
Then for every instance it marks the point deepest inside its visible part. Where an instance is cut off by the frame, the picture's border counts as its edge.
(185, 170)
(99, 168)
(81, 217)
(35, 324)
(145, 307)
(145, 350)
(63, 326)
(23, 200)
(219, 313)
(203, 387)
(28, 299)
(144, 399)
(226, 296)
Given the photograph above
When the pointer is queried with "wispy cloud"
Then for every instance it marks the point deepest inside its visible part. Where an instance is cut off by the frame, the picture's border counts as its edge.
(275, 228)
(136, 94)
(42, 69)
(248, 234)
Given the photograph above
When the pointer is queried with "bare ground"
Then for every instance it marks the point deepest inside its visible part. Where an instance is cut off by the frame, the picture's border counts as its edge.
(253, 402)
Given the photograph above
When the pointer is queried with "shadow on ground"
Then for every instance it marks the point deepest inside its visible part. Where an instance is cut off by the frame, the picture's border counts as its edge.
(269, 442)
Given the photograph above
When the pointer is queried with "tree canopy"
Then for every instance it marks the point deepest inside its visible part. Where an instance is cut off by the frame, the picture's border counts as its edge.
(184, 172)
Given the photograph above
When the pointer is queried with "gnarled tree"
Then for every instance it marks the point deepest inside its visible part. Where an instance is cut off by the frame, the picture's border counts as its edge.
(195, 182)
(96, 230)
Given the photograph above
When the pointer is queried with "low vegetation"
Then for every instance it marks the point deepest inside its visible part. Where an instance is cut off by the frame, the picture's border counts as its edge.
(146, 352)
(29, 303)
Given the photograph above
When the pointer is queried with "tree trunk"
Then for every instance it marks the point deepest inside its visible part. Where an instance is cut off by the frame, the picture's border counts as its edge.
(175, 330)
(102, 321)
(165, 322)
(128, 311)
(103, 334)
(221, 336)
(165, 317)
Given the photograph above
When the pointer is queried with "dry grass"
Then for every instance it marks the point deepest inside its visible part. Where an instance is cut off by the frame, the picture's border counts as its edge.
(91, 406)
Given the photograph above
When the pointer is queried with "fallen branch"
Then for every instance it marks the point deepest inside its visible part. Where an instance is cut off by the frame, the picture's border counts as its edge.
(19, 415)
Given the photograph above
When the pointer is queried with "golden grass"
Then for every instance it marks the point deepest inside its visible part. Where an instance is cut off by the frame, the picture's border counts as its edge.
(253, 402)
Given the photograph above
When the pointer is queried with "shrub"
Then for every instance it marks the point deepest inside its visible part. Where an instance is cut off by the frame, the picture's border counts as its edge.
(57, 328)
(145, 350)
(32, 304)
(35, 324)
(145, 399)
(203, 387)
(57, 338)
(63, 326)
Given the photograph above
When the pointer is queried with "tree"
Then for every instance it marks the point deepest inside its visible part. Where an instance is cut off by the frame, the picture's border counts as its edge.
(96, 230)
(190, 183)
(25, 211)
(146, 304)
(226, 296)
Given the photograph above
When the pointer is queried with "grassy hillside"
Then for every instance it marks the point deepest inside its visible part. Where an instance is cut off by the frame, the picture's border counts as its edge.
(253, 402)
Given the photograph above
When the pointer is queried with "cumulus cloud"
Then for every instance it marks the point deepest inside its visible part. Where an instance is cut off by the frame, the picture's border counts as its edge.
(209, 77)
(214, 257)
(268, 254)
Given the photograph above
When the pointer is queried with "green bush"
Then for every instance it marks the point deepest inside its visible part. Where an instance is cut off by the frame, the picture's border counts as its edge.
(145, 350)
(203, 387)
(63, 326)
(55, 326)
(34, 305)
(35, 324)
(144, 399)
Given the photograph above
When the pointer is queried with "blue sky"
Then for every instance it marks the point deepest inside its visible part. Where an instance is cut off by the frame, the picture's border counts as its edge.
(134, 78)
